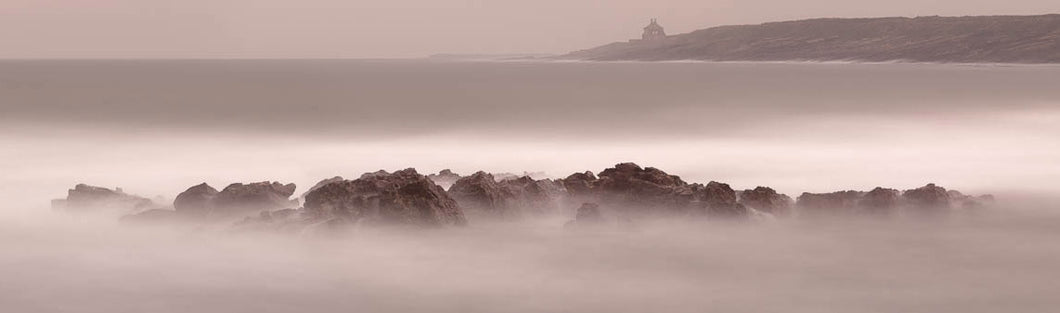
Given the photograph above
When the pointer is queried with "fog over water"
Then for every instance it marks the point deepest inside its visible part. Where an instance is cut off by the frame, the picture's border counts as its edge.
(155, 128)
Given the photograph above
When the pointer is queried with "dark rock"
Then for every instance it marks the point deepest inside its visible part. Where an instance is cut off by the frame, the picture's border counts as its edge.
(255, 197)
(196, 201)
(534, 196)
(402, 198)
(509, 198)
(765, 199)
(650, 191)
(880, 201)
(930, 197)
(836, 203)
(579, 184)
(481, 192)
(85, 198)
(322, 183)
(720, 201)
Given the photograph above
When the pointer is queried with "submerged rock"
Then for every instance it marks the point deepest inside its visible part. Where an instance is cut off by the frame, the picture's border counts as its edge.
(401, 198)
(85, 198)
(767, 200)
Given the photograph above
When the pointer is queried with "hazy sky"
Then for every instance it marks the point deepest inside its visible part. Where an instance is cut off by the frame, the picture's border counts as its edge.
(401, 28)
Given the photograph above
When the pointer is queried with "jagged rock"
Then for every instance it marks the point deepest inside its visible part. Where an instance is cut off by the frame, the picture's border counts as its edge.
(446, 178)
(880, 201)
(650, 191)
(510, 198)
(197, 201)
(649, 188)
(765, 199)
(840, 202)
(720, 201)
(930, 197)
(579, 184)
(254, 197)
(403, 198)
(481, 192)
(534, 196)
(322, 183)
(85, 198)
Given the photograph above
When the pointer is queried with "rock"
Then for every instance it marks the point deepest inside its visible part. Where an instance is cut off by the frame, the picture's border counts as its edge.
(836, 203)
(646, 189)
(402, 198)
(720, 201)
(446, 178)
(321, 184)
(579, 184)
(928, 198)
(880, 201)
(237, 199)
(534, 196)
(765, 199)
(482, 193)
(197, 201)
(85, 198)
(651, 191)
(589, 213)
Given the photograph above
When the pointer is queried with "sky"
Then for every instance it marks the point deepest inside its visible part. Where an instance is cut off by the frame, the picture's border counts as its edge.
(402, 28)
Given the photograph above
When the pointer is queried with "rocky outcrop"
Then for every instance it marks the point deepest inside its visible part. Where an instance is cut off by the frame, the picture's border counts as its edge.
(482, 193)
(254, 197)
(197, 201)
(588, 215)
(767, 200)
(509, 198)
(650, 191)
(835, 203)
(446, 178)
(579, 185)
(85, 198)
(880, 201)
(928, 198)
(401, 198)
(322, 183)
(534, 196)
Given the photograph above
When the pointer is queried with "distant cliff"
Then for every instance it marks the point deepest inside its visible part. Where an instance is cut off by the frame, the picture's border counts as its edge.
(979, 39)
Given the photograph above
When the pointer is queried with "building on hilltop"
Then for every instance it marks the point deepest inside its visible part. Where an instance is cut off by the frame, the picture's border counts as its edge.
(653, 31)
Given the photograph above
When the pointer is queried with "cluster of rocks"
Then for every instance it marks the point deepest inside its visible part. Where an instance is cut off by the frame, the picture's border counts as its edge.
(513, 197)
(929, 199)
(623, 193)
(85, 198)
(629, 189)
